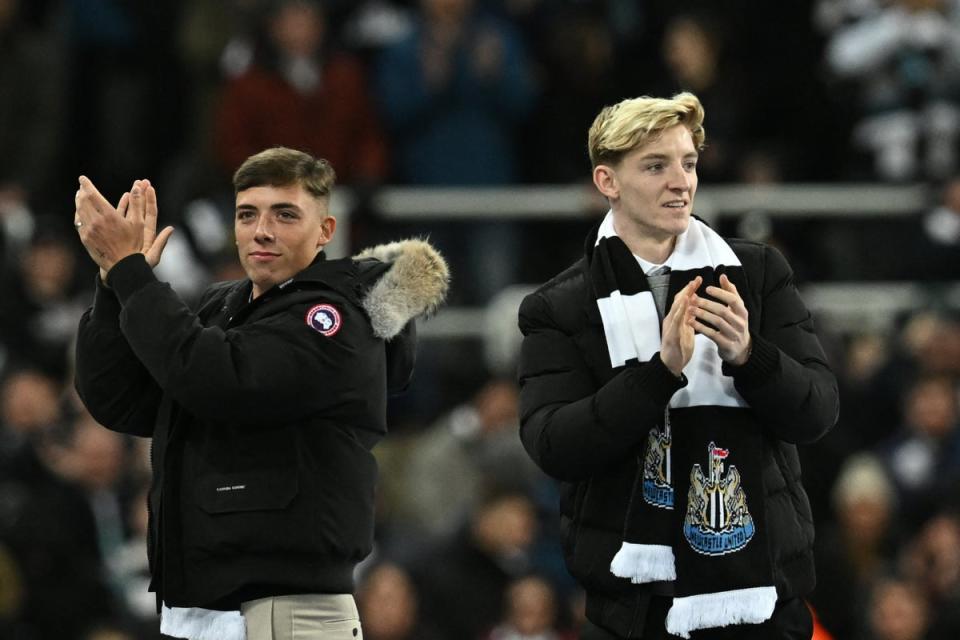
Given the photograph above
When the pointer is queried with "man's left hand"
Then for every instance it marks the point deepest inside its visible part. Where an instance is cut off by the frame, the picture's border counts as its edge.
(724, 322)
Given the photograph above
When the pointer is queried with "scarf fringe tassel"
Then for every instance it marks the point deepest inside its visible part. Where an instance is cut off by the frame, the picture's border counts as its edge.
(644, 563)
(721, 609)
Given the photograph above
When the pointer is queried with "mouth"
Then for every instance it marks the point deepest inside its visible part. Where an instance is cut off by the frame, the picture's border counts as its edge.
(675, 204)
(263, 256)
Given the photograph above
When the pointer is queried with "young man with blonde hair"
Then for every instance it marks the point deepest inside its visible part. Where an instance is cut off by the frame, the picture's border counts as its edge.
(666, 378)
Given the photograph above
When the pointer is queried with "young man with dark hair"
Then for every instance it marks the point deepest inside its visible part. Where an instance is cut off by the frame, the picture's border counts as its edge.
(263, 404)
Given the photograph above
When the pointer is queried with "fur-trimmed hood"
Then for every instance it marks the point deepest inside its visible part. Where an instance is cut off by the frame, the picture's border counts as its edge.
(414, 284)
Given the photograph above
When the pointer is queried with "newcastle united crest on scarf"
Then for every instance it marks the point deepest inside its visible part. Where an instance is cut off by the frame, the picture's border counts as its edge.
(657, 481)
(717, 520)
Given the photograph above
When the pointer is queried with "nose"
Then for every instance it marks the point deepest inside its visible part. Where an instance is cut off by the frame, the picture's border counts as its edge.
(678, 179)
(264, 231)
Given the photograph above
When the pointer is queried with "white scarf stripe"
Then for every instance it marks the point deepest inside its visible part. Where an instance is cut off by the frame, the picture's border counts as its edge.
(706, 384)
(621, 316)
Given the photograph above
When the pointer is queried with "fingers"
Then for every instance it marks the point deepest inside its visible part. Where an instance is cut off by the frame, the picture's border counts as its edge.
(151, 203)
(88, 203)
(88, 193)
(714, 327)
(720, 317)
(724, 321)
(679, 321)
(155, 251)
(150, 216)
(123, 204)
(680, 309)
(726, 292)
(689, 289)
(728, 303)
(138, 203)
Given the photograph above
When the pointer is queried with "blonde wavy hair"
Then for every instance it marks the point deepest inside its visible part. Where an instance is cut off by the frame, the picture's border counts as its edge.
(620, 128)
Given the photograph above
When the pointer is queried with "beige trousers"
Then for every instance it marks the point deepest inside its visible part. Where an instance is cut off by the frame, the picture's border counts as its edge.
(303, 617)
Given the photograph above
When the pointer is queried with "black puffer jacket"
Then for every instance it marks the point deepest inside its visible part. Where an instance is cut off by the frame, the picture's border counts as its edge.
(262, 413)
(582, 421)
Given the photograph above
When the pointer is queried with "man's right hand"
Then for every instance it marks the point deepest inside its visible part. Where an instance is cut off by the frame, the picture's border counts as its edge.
(145, 202)
(676, 342)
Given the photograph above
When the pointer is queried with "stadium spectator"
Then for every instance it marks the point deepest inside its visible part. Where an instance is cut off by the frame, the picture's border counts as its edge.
(46, 524)
(302, 93)
(693, 49)
(465, 581)
(924, 455)
(465, 451)
(454, 92)
(532, 612)
(932, 563)
(904, 61)
(42, 304)
(859, 548)
(897, 612)
(31, 113)
(389, 605)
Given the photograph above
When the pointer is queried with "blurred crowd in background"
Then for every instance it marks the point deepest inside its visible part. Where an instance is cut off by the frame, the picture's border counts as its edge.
(473, 93)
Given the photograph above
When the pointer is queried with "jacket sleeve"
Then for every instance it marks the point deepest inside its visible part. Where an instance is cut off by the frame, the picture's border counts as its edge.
(786, 379)
(110, 380)
(276, 369)
(571, 428)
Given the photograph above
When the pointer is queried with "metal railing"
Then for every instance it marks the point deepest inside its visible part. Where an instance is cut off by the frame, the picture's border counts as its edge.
(848, 306)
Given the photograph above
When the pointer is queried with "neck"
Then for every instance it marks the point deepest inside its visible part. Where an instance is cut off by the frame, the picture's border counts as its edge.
(655, 248)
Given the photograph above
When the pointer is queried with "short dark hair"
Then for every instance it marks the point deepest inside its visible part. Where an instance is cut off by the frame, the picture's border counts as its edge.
(280, 167)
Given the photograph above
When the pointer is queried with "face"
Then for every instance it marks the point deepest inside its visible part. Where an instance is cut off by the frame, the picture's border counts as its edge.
(389, 601)
(532, 607)
(688, 50)
(298, 29)
(48, 269)
(28, 402)
(651, 189)
(279, 232)
(932, 408)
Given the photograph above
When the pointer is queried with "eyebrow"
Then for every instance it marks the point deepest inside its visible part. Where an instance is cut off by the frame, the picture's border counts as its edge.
(663, 156)
(277, 205)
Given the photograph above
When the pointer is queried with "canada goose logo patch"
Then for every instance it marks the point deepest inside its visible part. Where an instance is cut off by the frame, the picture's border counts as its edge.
(324, 318)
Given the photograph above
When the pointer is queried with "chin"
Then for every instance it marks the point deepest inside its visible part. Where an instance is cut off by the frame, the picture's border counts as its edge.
(680, 225)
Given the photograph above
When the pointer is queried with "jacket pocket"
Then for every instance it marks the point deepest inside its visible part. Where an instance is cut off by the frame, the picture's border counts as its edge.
(247, 491)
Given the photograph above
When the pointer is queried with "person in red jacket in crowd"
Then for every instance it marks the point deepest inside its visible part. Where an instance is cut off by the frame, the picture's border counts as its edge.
(301, 94)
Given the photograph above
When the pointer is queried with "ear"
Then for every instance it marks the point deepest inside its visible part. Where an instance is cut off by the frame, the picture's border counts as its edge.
(327, 228)
(605, 180)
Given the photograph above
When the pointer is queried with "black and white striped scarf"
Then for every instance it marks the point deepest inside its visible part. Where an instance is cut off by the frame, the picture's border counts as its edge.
(696, 513)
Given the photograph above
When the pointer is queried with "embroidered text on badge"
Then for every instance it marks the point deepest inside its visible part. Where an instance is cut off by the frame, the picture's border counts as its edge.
(324, 318)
